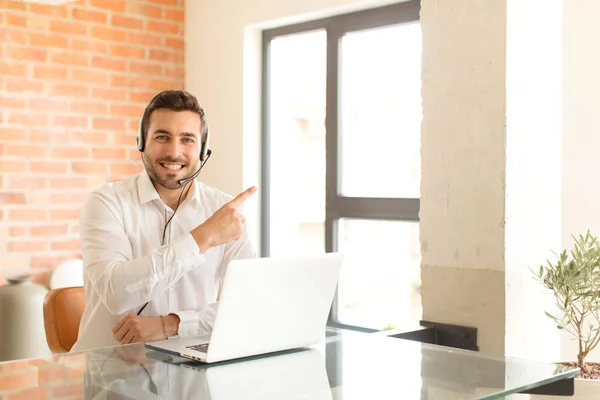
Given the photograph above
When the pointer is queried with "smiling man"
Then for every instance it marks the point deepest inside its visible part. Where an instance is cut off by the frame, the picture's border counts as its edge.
(155, 246)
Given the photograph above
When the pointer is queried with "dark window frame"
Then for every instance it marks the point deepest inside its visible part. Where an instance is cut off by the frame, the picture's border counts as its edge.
(336, 206)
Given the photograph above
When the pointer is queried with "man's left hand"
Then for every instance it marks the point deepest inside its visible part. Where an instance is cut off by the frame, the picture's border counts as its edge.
(138, 328)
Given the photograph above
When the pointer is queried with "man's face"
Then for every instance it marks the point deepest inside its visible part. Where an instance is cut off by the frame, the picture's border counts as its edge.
(172, 149)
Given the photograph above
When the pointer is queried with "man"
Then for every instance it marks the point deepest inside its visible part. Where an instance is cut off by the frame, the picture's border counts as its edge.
(157, 244)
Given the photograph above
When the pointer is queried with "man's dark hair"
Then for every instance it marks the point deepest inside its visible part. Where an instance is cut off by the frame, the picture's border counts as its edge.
(174, 100)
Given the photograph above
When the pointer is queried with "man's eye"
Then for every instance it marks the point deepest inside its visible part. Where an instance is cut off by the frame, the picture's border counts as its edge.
(188, 140)
(161, 137)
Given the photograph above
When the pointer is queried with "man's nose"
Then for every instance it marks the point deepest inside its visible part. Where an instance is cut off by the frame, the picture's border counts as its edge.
(174, 148)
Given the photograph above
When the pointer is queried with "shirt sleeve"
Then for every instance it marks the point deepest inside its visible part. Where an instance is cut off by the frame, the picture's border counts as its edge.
(124, 283)
(197, 323)
(200, 322)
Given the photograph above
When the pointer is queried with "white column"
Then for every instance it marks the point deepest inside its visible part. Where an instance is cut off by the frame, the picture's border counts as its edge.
(463, 166)
(490, 197)
(533, 171)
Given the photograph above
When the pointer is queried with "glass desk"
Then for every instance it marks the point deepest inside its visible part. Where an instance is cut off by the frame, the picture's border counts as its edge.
(345, 365)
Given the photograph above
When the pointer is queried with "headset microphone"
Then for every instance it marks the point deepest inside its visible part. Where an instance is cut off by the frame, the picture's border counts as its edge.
(186, 180)
(195, 174)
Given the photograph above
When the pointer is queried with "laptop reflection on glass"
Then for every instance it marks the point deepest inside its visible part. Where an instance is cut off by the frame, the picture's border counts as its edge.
(298, 375)
(267, 305)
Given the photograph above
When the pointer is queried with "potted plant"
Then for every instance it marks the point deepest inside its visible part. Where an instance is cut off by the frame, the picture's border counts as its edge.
(574, 280)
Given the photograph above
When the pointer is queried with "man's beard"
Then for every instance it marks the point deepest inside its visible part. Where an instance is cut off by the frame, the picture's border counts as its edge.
(152, 167)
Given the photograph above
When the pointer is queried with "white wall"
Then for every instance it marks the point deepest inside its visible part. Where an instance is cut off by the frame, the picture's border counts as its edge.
(581, 195)
(581, 133)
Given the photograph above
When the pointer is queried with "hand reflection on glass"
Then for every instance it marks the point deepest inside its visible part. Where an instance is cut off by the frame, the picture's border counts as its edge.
(126, 372)
(132, 354)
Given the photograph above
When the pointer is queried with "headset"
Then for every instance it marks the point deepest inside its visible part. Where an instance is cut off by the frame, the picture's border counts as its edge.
(205, 153)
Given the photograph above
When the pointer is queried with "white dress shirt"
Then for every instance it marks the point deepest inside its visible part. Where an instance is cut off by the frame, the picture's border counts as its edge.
(125, 264)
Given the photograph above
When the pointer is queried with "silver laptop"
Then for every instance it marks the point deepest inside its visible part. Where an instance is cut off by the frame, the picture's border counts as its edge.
(267, 305)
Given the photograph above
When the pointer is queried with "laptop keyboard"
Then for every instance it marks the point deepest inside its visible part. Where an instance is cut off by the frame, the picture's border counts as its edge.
(203, 348)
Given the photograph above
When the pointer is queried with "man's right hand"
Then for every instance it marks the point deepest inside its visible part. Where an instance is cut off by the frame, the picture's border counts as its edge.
(225, 225)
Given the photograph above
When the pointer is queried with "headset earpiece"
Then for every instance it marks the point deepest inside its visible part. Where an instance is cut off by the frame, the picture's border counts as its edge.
(204, 148)
(139, 140)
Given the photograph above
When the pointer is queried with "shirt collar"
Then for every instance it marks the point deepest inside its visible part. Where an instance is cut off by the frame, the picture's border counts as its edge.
(146, 189)
(194, 194)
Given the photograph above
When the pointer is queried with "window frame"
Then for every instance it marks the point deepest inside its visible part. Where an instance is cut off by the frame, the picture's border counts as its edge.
(336, 205)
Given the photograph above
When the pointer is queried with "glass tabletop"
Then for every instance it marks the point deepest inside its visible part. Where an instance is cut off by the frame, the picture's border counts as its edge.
(344, 365)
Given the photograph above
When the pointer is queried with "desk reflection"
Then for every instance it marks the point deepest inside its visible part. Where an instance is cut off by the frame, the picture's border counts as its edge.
(132, 372)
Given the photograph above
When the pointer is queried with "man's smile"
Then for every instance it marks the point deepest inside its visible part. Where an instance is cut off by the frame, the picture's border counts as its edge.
(171, 166)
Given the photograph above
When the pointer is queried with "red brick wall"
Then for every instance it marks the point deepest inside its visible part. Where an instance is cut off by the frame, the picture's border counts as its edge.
(73, 83)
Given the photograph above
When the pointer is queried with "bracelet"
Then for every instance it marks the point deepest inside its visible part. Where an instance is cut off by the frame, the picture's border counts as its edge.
(163, 325)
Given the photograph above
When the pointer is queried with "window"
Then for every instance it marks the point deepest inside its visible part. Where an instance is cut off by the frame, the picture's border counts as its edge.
(341, 156)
